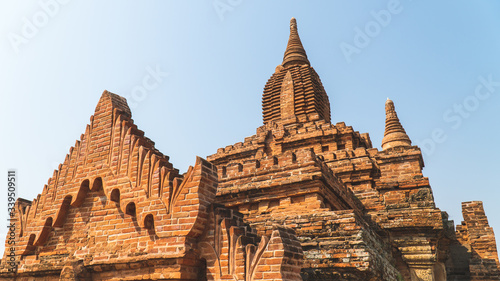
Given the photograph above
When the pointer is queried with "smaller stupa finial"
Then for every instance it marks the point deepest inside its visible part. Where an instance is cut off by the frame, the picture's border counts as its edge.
(394, 135)
(295, 53)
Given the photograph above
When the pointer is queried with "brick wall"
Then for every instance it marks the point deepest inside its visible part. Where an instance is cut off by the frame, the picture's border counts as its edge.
(116, 209)
(477, 239)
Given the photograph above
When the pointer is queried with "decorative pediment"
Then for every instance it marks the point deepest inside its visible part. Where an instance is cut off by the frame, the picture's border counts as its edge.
(114, 181)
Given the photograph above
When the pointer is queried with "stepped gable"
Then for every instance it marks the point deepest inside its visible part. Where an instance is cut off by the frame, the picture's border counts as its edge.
(295, 92)
(116, 209)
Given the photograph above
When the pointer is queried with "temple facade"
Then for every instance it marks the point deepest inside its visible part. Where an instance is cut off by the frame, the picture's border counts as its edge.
(302, 199)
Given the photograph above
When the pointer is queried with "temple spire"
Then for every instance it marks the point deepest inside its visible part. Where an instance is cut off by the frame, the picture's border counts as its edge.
(394, 134)
(295, 53)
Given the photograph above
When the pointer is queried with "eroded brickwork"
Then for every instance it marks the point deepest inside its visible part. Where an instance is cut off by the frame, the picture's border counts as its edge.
(116, 209)
(302, 199)
(477, 241)
(359, 212)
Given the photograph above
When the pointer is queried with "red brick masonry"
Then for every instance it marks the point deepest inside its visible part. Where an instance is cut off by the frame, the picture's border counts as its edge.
(302, 199)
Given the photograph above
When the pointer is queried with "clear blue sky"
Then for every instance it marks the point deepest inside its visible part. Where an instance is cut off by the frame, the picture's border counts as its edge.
(429, 57)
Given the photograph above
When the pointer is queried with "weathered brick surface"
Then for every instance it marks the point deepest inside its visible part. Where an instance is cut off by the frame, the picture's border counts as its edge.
(116, 209)
(299, 167)
(336, 244)
(296, 168)
(302, 199)
(295, 91)
(233, 251)
(476, 241)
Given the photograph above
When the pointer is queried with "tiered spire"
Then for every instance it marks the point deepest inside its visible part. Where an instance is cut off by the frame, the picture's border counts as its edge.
(394, 135)
(294, 93)
(295, 53)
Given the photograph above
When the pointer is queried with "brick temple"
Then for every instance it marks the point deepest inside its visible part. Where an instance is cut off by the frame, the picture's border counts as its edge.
(302, 199)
